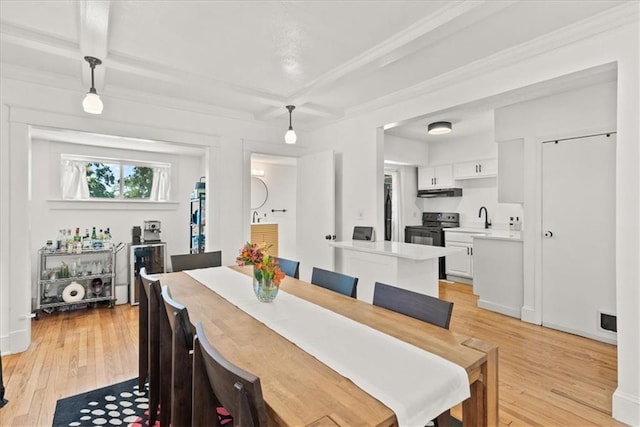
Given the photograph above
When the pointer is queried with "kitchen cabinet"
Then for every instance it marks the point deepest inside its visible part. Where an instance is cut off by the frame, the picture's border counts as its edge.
(498, 276)
(459, 264)
(475, 169)
(70, 278)
(511, 171)
(430, 177)
(266, 234)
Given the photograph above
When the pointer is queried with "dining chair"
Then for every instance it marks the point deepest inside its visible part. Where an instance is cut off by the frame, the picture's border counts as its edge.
(149, 342)
(181, 359)
(336, 282)
(164, 350)
(289, 267)
(420, 306)
(193, 261)
(143, 333)
(218, 382)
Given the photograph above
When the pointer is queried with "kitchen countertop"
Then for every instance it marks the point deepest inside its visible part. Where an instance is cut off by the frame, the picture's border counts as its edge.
(396, 249)
(489, 233)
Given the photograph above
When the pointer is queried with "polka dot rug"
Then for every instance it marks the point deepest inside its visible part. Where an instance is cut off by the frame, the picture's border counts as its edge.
(121, 404)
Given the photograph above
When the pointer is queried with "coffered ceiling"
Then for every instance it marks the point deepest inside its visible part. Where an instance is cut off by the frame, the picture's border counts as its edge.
(248, 59)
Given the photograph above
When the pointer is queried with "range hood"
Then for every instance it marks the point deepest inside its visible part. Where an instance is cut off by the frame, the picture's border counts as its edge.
(440, 192)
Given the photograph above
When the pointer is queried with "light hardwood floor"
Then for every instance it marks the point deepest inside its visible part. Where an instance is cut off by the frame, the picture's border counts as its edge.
(547, 378)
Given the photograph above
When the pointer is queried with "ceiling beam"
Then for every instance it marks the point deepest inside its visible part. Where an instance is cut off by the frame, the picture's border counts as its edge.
(308, 108)
(402, 43)
(93, 31)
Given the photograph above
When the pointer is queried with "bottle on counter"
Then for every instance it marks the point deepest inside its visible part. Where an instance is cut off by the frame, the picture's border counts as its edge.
(86, 240)
(517, 225)
(511, 224)
(69, 241)
(94, 236)
(60, 240)
(107, 238)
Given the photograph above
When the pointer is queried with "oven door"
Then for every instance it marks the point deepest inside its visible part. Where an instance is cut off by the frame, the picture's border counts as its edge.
(427, 236)
(423, 236)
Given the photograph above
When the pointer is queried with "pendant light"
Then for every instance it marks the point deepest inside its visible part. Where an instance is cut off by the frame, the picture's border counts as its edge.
(439, 128)
(290, 137)
(92, 103)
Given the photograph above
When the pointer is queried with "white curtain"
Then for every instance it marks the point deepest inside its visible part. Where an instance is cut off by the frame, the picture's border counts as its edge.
(74, 179)
(161, 185)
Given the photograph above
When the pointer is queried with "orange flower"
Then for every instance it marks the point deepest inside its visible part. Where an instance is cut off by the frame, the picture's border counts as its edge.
(265, 267)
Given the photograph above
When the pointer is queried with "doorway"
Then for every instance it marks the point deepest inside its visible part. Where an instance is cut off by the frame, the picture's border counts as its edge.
(273, 201)
(578, 244)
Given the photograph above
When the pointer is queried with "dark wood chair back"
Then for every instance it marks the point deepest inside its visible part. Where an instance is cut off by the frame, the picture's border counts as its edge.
(337, 282)
(289, 267)
(165, 337)
(217, 381)
(193, 261)
(143, 333)
(149, 341)
(181, 359)
(423, 307)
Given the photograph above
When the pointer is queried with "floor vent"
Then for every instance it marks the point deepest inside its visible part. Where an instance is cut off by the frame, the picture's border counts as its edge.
(608, 322)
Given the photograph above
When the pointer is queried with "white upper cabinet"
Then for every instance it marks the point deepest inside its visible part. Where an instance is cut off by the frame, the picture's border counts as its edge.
(475, 169)
(430, 177)
(511, 171)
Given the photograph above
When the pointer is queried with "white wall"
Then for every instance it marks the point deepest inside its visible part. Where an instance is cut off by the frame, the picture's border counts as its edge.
(359, 155)
(568, 114)
(409, 152)
(281, 183)
(119, 217)
(475, 192)
(356, 143)
(26, 104)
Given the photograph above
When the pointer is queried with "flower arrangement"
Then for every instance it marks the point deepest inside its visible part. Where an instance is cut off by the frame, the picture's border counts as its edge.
(265, 267)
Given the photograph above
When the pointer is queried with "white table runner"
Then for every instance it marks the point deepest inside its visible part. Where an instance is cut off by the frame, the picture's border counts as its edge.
(415, 384)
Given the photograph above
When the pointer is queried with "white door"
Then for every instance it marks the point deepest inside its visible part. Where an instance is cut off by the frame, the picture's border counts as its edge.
(578, 243)
(315, 204)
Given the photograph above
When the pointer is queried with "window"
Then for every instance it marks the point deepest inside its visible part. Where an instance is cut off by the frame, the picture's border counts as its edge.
(119, 180)
(88, 178)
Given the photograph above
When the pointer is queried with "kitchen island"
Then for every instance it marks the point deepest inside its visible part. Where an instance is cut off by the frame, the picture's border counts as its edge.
(405, 265)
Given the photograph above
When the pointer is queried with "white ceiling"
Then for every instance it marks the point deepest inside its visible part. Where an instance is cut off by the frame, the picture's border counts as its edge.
(248, 59)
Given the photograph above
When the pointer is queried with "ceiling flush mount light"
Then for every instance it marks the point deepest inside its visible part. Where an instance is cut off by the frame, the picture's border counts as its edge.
(92, 103)
(439, 128)
(290, 137)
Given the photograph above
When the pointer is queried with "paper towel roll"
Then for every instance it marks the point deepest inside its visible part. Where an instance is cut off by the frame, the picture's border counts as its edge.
(73, 292)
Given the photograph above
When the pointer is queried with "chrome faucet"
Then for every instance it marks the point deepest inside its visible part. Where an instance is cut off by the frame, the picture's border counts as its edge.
(255, 214)
(487, 223)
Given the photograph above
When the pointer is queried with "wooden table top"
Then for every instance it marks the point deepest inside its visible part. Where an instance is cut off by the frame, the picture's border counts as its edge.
(297, 388)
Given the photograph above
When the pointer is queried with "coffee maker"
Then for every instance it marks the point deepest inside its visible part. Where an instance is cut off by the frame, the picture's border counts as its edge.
(151, 231)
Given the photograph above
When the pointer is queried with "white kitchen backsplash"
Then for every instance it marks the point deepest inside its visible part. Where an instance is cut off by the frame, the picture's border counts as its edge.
(477, 193)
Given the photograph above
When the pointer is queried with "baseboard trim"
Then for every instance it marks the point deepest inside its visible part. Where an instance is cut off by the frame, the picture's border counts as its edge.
(626, 408)
(502, 309)
(530, 315)
(608, 340)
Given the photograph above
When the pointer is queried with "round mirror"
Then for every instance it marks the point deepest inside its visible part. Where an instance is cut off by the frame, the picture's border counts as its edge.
(259, 193)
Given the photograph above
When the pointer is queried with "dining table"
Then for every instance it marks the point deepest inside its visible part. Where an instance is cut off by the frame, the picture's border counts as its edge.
(299, 387)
